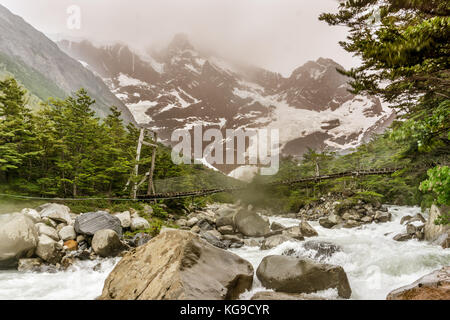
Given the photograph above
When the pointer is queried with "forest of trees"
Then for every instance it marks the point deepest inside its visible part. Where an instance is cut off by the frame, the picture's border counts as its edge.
(64, 150)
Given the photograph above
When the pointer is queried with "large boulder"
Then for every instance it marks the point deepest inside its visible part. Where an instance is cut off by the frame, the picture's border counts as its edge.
(307, 230)
(18, 239)
(56, 212)
(91, 222)
(178, 265)
(433, 286)
(106, 243)
(275, 241)
(293, 232)
(437, 233)
(293, 275)
(251, 224)
(49, 250)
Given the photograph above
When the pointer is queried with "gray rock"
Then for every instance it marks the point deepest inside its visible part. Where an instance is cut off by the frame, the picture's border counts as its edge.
(212, 239)
(307, 230)
(56, 212)
(275, 241)
(351, 224)
(18, 239)
(67, 233)
(177, 265)
(381, 216)
(48, 250)
(367, 219)
(181, 222)
(225, 217)
(44, 229)
(195, 229)
(350, 216)
(192, 222)
(140, 239)
(276, 226)
(139, 223)
(91, 222)
(293, 275)
(106, 243)
(251, 224)
(328, 222)
(411, 229)
(205, 224)
(125, 219)
(293, 232)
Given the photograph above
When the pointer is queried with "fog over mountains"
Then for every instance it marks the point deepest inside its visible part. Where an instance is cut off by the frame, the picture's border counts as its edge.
(181, 86)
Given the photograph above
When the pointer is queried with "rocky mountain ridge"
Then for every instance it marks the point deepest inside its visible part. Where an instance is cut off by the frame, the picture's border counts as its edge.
(180, 87)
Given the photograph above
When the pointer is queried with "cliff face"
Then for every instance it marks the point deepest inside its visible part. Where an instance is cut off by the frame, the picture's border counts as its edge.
(45, 70)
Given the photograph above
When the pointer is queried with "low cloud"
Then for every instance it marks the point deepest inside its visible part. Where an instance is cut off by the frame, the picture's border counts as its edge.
(276, 34)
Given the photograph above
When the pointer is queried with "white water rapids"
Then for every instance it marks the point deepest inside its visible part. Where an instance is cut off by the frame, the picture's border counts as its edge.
(375, 264)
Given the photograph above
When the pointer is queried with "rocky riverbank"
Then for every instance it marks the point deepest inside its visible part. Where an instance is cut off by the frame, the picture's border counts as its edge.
(51, 237)
(183, 263)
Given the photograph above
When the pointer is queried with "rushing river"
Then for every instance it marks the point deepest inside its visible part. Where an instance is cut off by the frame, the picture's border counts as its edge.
(375, 264)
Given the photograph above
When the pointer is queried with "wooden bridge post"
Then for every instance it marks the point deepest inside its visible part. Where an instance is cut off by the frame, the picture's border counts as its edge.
(138, 158)
(141, 141)
(151, 186)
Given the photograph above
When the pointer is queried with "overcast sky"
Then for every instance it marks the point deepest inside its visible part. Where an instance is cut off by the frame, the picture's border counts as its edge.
(279, 35)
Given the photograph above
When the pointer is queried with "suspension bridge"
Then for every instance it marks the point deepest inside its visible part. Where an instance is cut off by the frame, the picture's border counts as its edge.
(205, 192)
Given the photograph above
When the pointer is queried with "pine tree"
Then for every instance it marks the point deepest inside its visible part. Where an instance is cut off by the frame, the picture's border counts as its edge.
(16, 129)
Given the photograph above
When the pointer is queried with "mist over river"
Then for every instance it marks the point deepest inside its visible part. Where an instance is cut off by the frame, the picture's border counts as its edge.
(375, 264)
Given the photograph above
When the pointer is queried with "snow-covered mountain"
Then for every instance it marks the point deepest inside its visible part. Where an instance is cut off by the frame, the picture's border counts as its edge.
(180, 86)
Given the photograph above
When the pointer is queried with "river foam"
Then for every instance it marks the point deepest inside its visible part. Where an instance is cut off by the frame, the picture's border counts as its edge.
(375, 264)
